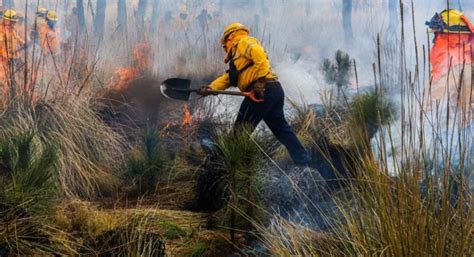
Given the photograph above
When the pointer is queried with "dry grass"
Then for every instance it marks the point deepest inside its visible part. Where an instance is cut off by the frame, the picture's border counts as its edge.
(411, 195)
(89, 152)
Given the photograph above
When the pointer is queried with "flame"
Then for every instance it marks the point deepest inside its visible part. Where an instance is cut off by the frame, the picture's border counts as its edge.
(142, 56)
(141, 63)
(125, 75)
(187, 119)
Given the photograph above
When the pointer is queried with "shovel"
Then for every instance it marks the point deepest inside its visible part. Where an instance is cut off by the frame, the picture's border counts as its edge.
(180, 89)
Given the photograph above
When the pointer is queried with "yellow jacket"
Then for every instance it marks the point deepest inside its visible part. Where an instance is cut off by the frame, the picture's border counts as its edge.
(245, 50)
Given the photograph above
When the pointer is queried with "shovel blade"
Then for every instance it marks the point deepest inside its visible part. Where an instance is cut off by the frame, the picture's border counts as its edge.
(176, 88)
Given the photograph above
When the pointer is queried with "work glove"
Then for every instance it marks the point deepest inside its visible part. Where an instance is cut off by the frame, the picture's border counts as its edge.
(259, 87)
(204, 91)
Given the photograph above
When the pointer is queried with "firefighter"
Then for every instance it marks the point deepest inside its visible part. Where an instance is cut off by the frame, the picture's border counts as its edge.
(203, 20)
(20, 26)
(250, 69)
(451, 58)
(40, 20)
(11, 45)
(49, 35)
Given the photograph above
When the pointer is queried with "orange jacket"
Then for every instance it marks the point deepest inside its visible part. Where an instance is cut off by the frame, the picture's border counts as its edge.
(10, 42)
(450, 50)
(50, 39)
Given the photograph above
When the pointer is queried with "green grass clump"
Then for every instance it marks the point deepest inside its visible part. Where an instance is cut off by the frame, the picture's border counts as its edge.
(241, 159)
(88, 151)
(146, 162)
(28, 196)
(199, 249)
(29, 172)
(368, 112)
(172, 230)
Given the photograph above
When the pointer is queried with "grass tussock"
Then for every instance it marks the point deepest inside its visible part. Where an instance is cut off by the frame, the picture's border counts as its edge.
(29, 195)
(145, 164)
(88, 151)
(241, 160)
(28, 171)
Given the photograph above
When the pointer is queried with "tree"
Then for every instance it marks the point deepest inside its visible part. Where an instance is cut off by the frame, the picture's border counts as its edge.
(122, 19)
(10, 4)
(154, 16)
(393, 16)
(307, 7)
(81, 17)
(338, 72)
(66, 5)
(347, 20)
(141, 13)
(99, 19)
(459, 5)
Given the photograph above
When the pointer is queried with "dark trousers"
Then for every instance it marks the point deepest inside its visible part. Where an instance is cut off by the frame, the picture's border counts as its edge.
(271, 111)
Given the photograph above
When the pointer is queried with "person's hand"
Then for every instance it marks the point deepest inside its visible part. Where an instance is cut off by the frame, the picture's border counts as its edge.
(204, 91)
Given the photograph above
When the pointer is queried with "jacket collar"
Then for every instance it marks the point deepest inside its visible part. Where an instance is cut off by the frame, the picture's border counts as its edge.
(232, 43)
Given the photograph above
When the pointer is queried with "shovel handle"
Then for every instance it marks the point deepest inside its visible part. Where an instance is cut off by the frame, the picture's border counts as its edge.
(250, 94)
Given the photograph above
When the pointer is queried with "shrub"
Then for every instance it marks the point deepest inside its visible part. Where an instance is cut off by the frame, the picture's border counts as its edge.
(338, 72)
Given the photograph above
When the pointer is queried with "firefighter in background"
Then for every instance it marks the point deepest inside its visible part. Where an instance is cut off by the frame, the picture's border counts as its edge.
(11, 45)
(250, 69)
(20, 27)
(203, 20)
(451, 59)
(49, 36)
(182, 21)
(40, 18)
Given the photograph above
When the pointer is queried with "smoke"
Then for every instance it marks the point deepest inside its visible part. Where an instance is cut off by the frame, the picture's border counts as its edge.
(297, 35)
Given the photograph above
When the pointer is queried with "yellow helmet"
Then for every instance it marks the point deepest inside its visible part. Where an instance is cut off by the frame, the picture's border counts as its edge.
(10, 15)
(52, 16)
(42, 12)
(232, 28)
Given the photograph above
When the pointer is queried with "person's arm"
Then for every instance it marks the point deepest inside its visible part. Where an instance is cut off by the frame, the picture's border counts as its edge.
(221, 83)
(255, 52)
